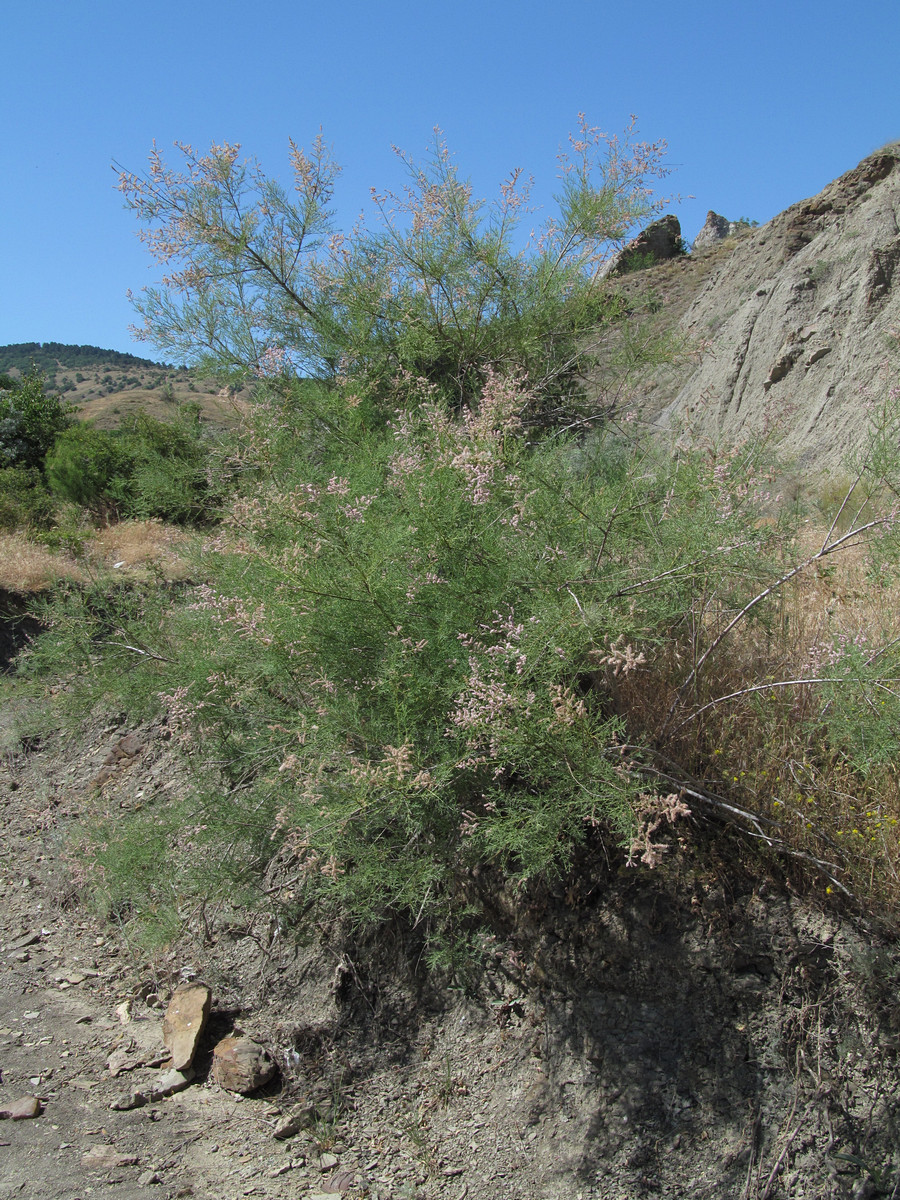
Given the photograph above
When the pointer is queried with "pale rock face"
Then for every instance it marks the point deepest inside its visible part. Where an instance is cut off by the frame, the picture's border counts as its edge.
(714, 231)
(792, 329)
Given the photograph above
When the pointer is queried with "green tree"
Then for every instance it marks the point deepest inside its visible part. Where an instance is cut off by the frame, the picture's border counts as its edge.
(30, 421)
(444, 286)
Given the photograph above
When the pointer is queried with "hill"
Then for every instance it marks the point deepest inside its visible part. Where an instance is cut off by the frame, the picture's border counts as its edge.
(50, 357)
(107, 385)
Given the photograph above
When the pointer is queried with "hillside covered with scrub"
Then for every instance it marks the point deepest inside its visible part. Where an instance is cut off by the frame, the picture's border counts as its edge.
(501, 709)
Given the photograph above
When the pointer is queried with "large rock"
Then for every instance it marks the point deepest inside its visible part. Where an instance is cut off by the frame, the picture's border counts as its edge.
(241, 1065)
(661, 240)
(715, 230)
(184, 1022)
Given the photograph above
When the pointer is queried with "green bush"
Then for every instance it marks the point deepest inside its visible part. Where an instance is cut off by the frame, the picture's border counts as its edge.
(25, 502)
(407, 661)
(30, 422)
(170, 477)
(91, 467)
(444, 285)
(148, 468)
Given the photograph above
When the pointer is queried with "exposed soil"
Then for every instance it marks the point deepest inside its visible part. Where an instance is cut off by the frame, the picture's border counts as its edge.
(703, 1030)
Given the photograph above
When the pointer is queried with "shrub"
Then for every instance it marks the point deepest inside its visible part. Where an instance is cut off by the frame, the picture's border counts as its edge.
(444, 287)
(170, 479)
(148, 468)
(30, 422)
(90, 467)
(25, 502)
(410, 656)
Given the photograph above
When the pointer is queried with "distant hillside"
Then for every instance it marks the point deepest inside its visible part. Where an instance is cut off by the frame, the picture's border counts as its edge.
(107, 385)
(49, 357)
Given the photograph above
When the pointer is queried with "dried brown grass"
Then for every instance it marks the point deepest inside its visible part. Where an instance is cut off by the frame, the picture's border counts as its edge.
(135, 544)
(27, 568)
(768, 749)
(132, 547)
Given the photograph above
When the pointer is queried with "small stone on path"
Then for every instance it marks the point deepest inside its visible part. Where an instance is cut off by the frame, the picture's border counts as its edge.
(22, 1109)
(107, 1158)
(241, 1065)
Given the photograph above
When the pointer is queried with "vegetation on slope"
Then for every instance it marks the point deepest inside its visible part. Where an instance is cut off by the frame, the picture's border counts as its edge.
(434, 633)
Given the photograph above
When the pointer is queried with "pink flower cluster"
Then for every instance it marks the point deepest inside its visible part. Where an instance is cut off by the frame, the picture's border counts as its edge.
(232, 610)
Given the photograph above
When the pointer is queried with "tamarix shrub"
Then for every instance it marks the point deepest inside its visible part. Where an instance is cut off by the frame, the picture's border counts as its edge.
(407, 661)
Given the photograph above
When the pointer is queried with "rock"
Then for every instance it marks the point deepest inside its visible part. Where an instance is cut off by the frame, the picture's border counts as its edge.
(184, 1022)
(167, 1083)
(148, 1178)
(129, 746)
(661, 240)
(301, 1116)
(171, 1081)
(340, 1182)
(128, 1100)
(241, 1065)
(829, 264)
(715, 230)
(22, 1109)
(327, 1161)
(107, 1158)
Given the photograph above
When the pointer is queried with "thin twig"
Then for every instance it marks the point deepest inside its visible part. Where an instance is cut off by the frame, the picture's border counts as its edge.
(136, 650)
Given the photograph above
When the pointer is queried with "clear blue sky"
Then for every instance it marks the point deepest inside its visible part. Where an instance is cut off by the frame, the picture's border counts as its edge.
(761, 104)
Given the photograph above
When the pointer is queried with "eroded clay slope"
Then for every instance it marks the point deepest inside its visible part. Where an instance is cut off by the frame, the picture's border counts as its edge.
(793, 327)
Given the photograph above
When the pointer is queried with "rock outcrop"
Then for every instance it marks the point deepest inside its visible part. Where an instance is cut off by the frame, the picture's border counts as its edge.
(793, 327)
(661, 240)
(715, 230)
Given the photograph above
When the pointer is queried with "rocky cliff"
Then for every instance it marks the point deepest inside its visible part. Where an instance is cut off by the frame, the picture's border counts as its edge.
(792, 327)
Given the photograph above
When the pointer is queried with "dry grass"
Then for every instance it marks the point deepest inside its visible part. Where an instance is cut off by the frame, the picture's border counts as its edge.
(108, 412)
(27, 568)
(132, 547)
(135, 544)
(777, 751)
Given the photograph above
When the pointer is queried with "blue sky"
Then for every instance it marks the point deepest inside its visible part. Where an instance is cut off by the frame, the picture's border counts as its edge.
(761, 104)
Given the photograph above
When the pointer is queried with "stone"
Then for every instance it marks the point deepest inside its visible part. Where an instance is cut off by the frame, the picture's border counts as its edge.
(241, 1065)
(185, 1021)
(301, 1116)
(128, 1100)
(121, 1060)
(22, 1109)
(167, 1083)
(107, 1158)
(715, 230)
(661, 240)
(171, 1081)
(340, 1182)
(129, 746)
